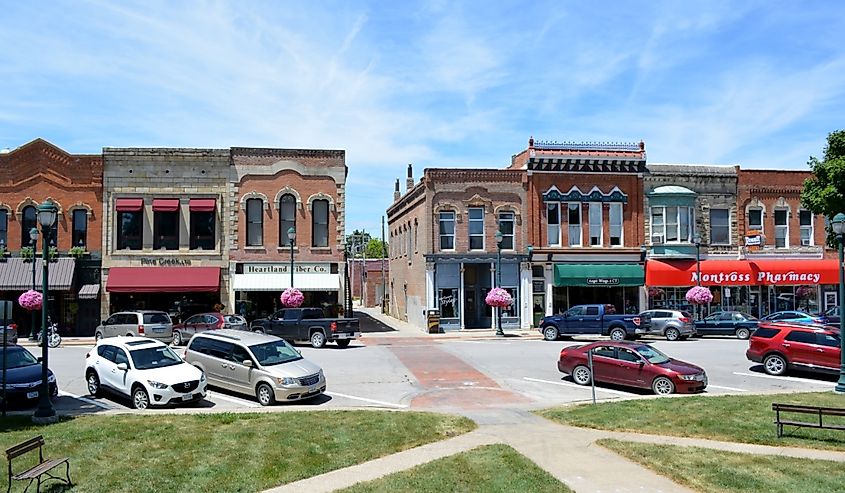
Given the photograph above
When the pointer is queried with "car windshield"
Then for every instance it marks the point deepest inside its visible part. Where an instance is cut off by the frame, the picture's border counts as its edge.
(747, 316)
(154, 357)
(274, 353)
(18, 357)
(652, 355)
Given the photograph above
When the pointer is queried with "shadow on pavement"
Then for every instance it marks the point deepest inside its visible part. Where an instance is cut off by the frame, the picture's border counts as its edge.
(821, 376)
(369, 324)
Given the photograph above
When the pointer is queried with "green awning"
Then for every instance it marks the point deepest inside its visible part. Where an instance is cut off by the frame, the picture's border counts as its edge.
(595, 275)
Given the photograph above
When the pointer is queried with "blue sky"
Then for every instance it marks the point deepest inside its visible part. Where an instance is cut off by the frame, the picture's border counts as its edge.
(437, 84)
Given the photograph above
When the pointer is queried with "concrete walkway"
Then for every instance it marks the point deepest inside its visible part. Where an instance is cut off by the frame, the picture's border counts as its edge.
(404, 329)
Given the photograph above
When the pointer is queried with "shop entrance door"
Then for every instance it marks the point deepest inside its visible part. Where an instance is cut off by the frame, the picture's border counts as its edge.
(477, 283)
(539, 308)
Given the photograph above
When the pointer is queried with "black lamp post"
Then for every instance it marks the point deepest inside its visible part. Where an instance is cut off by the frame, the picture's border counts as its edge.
(33, 238)
(292, 238)
(697, 240)
(838, 224)
(499, 236)
(45, 413)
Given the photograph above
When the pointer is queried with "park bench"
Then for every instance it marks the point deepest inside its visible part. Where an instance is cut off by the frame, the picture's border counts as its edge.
(820, 412)
(35, 472)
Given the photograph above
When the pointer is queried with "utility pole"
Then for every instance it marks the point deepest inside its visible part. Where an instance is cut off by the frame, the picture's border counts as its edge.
(383, 253)
(363, 265)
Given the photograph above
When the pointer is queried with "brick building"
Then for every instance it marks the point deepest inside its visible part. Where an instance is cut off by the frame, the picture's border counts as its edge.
(272, 191)
(29, 175)
(367, 273)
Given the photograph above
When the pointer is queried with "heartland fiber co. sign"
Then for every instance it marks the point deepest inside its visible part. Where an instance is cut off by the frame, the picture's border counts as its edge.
(284, 268)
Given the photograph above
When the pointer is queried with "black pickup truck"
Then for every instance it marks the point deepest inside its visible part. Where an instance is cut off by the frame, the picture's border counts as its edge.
(308, 324)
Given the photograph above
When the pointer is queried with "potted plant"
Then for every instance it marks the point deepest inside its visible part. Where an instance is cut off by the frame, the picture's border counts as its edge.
(292, 298)
(498, 297)
(27, 253)
(52, 254)
(699, 295)
(3, 253)
(77, 252)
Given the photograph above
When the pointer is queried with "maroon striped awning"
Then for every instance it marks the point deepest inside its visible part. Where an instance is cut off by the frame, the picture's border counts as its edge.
(165, 205)
(203, 205)
(128, 205)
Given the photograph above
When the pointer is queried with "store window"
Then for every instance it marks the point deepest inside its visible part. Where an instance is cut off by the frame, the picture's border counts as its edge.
(129, 229)
(553, 222)
(595, 224)
(287, 217)
(448, 300)
(320, 223)
(506, 222)
(720, 226)
(476, 228)
(671, 224)
(28, 220)
(615, 217)
(202, 230)
(781, 228)
(805, 221)
(254, 222)
(80, 228)
(447, 230)
(755, 219)
(4, 228)
(574, 218)
(166, 230)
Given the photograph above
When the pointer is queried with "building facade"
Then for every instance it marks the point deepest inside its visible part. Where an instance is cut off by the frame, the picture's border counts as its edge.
(368, 280)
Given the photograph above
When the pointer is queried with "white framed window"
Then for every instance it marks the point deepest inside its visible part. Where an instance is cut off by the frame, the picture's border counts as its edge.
(720, 226)
(447, 230)
(755, 219)
(506, 223)
(553, 222)
(658, 226)
(805, 222)
(476, 228)
(671, 224)
(616, 229)
(573, 216)
(781, 228)
(596, 234)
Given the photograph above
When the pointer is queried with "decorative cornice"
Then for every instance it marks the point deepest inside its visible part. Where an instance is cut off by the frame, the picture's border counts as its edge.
(265, 204)
(284, 191)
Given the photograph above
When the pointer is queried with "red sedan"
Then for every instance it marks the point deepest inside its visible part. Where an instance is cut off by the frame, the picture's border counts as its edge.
(633, 364)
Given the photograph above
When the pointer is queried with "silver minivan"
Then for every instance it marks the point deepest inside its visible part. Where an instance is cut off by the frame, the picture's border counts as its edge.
(143, 323)
(671, 324)
(255, 364)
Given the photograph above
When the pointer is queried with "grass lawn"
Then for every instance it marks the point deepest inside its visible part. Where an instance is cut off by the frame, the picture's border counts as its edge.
(719, 471)
(224, 452)
(488, 469)
(735, 418)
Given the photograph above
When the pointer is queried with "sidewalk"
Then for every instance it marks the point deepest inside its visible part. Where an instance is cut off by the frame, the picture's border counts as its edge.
(66, 341)
(404, 329)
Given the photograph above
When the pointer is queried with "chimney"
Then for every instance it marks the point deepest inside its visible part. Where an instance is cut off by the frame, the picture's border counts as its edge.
(396, 193)
(642, 146)
(409, 182)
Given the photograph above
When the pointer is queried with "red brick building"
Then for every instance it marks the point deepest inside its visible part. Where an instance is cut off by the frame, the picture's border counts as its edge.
(367, 273)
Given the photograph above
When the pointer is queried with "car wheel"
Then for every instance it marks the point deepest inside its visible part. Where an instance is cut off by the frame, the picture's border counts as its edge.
(581, 375)
(93, 383)
(177, 338)
(342, 342)
(140, 398)
(550, 333)
(318, 339)
(743, 333)
(97, 336)
(264, 394)
(672, 334)
(775, 364)
(662, 386)
(618, 334)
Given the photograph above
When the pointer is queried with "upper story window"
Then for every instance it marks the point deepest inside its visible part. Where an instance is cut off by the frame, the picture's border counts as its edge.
(755, 219)
(4, 228)
(781, 228)
(203, 229)
(129, 224)
(28, 220)
(447, 230)
(506, 223)
(671, 224)
(805, 221)
(320, 223)
(615, 217)
(287, 217)
(720, 226)
(165, 230)
(254, 222)
(596, 234)
(80, 228)
(476, 228)
(574, 219)
(411, 232)
(553, 223)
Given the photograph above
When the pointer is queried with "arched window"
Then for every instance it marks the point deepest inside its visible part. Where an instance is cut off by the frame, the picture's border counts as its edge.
(254, 222)
(28, 221)
(320, 223)
(80, 228)
(287, 217)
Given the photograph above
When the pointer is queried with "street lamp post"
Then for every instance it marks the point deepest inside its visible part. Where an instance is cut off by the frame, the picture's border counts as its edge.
(33, 238)
(292, 238)
(499, 236)
(838, 224)
(697, 240)
(45, 413)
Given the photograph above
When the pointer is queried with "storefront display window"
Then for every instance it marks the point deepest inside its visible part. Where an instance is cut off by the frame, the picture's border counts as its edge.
(449, 302)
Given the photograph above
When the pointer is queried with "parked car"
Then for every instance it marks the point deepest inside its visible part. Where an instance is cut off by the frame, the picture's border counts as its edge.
(145, 370)
(727, 323)
(793, 316)
(589, 319)
(255, 364)
(632, 364)
(11, 334)
(782, 346)
(23, 376)
(308, 324)
(671, 324)
(832, 316)
(206, 321)
(147, 323)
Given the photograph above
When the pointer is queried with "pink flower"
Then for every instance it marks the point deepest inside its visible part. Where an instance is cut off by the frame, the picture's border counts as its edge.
(699, 295)
(655, 292)
(499, 297)
(292, 298)
(31, 300)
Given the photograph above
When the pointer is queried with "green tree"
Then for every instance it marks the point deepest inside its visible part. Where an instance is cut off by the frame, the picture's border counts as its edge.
(356, 242)
(824, 192)
(376, 248)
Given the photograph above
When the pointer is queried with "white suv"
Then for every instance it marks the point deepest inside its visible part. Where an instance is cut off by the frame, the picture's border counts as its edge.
(146, 370)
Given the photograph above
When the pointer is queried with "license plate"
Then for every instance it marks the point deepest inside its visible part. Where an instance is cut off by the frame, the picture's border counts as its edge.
(312, 390)
(158, 329)
(342, 336)
(187, 397)
(32, 395)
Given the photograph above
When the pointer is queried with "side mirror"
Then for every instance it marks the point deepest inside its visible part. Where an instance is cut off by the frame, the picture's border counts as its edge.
(122, 366)
(247, 363)
(642, 363)
(39, 359)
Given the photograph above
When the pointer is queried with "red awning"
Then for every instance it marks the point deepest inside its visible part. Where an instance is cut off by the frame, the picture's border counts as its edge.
(163, 279)
(165, 205)
(203, 205)
(742, 272)
(128, 205)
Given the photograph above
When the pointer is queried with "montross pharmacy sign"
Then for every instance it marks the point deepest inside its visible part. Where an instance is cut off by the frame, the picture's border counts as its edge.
(763, 277)
(742, 272)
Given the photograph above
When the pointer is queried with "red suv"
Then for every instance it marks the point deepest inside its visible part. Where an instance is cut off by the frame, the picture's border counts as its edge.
(784, 345)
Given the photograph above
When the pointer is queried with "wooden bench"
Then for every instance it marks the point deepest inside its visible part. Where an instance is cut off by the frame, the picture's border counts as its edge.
(42, 468)
(814, 410)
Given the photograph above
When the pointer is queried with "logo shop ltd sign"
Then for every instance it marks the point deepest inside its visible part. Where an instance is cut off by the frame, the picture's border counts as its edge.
(602, 281)
(761, 277)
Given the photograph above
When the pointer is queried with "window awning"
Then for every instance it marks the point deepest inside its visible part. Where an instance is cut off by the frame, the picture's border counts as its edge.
(596, 275)
(89, 292)
(163, 279)
(203, 205)
(742, 272)
(165, 205)
(16, 274)
(280, 282)
(128, 205)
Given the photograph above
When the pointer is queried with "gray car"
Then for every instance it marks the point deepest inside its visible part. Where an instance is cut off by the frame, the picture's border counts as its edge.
(143, 323)
(255, 364)
(671, 324)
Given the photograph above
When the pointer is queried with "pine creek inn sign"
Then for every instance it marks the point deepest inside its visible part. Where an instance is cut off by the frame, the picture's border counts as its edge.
(742, 272)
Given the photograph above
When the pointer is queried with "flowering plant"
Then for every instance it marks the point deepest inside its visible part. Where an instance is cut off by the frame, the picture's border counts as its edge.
(31, 300)
(292, 298)
(655, 292)
(699, 295)
(498, 297)
(805, 292)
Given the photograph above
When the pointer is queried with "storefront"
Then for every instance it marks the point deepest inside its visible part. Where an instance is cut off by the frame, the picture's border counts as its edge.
(16, 277)
(757, 287)
(618, 284)
(258, 285)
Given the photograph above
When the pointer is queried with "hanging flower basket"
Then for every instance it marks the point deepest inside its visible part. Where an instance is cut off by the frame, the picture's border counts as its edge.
(805, 292)
(292, 298)
(656, 293)
(31, 300)
(498, 297)
(699, 295)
